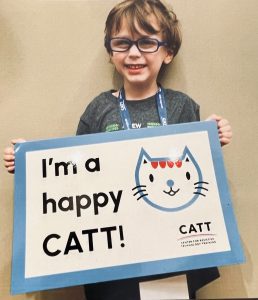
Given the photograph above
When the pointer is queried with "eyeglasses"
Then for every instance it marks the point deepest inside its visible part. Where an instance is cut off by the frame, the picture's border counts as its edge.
(146, 45)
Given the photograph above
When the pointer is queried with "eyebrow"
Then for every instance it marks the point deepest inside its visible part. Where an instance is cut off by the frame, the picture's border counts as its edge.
(152, 36)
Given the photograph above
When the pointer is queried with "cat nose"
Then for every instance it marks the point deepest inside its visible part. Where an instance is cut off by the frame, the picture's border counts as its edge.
(170, 182)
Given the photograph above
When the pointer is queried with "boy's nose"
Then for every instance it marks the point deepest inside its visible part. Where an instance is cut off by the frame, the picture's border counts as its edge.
(170, 182)
(134, 50)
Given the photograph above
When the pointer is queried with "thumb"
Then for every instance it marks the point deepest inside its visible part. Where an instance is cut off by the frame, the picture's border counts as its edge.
(214, 117)
(19, 140)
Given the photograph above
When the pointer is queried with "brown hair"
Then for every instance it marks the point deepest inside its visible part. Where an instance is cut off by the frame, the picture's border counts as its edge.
(138, 12)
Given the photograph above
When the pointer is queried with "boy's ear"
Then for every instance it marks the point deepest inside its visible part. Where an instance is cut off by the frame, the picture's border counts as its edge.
(110, 57)
(169, 57)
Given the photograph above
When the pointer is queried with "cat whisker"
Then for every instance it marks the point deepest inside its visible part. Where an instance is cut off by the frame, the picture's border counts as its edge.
(139, 192)
(201, 187)
(138, 186)
(198, 182)
(198, 193)
(142, 196)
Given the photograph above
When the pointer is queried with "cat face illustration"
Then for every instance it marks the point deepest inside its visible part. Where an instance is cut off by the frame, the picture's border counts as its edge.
(169, 185)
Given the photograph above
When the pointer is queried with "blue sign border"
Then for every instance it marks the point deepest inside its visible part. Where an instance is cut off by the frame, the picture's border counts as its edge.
(20, 284)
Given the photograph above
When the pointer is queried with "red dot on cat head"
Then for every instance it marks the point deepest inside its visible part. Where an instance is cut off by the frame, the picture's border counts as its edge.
(179, 163)
(164, 163)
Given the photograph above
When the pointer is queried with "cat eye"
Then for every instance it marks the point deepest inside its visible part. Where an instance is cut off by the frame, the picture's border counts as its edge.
(188, 176)
(151, 178)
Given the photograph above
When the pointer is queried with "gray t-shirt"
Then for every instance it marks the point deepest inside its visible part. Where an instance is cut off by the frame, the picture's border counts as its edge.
(103, 113)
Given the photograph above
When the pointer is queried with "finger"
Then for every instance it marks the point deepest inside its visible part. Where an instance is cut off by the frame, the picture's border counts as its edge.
(225, 129)
(8, 164)
(214, 117)
(9, 154)
(227, 137)
(9, 151)
(9, 157)
(223, 123)
(19, 140)
(224, 141)
(10, 169)
(226, 133)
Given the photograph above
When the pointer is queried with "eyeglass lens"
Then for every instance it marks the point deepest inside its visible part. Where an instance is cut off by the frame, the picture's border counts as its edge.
(144, 45)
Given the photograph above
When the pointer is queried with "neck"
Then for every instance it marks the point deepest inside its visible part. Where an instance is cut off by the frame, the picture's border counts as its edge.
(138, 92)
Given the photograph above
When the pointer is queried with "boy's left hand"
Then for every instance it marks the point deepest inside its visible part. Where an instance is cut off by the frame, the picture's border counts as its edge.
(224, 129)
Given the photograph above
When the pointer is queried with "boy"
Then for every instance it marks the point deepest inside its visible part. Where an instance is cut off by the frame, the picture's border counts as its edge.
(141, 36)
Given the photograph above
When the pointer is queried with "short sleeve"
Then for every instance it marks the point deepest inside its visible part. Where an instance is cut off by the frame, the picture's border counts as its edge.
(190, 111)
(88, 119)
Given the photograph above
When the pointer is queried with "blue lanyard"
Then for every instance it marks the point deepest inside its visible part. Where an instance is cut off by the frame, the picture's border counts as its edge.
(125, 116)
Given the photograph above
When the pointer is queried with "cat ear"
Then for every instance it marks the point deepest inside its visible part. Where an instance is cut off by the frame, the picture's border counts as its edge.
(187, 155)
(144, 157)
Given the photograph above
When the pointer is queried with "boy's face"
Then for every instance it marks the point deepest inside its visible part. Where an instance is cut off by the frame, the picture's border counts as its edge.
(139, 68)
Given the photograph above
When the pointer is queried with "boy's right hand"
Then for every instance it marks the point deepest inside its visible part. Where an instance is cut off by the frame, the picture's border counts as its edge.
(9, 156)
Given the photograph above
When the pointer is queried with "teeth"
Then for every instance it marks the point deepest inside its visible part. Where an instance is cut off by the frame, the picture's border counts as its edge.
(135, 66)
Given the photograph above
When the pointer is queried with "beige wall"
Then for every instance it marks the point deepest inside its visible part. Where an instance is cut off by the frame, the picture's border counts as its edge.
(52, 63)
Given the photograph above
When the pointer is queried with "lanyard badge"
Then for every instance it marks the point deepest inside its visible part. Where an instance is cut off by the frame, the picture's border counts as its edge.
(161, 105)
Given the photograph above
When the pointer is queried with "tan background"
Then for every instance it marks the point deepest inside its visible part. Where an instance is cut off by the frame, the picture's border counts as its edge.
(52, 63)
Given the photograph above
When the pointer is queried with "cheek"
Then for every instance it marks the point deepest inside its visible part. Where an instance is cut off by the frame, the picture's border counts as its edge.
(117, 58)
(118, 63)
(156, 62)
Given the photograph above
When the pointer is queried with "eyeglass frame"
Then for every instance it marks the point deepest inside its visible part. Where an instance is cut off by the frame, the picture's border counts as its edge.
(135, 42)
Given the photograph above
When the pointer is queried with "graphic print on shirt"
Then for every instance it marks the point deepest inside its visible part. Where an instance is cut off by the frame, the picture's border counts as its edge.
(169, 185)
(116, 126)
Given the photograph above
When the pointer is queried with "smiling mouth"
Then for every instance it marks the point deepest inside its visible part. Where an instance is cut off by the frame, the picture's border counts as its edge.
(135, 66)
(171, 192)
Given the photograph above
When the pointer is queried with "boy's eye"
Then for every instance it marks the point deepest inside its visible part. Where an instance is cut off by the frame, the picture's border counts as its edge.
(120, 44)
(147, 43)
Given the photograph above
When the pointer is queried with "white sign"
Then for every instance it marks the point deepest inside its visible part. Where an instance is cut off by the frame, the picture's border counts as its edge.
(119, 205)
